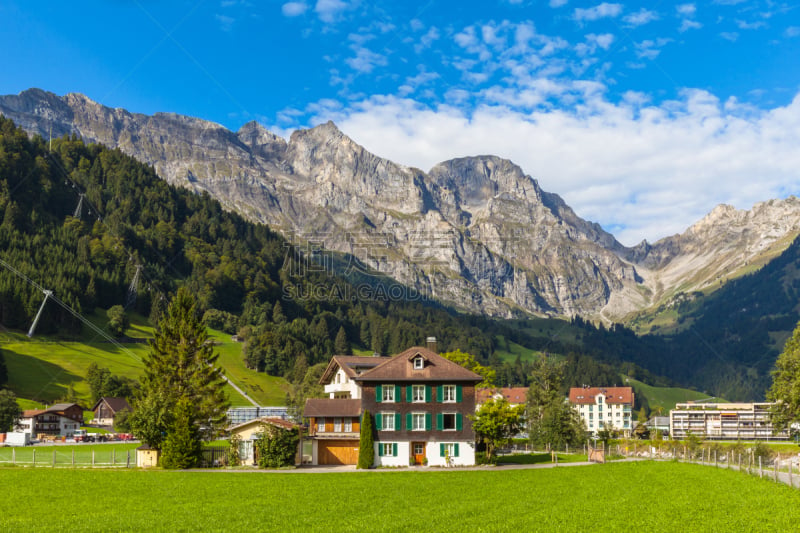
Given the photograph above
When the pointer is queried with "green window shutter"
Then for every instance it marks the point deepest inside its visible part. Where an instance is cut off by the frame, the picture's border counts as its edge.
(439, 389)
(397, 421)
(455, 450)
(394, 449)
(439, 420)
(409, 425)
(397, 396)
(459, 424)
(458, 393)
(427, 421)
(379, 393)
(441, 449)
(427, 393)
(378, 421)
(409, 398)
(380, 449)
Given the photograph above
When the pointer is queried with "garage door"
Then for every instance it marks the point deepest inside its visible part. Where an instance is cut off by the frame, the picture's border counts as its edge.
(338, 452)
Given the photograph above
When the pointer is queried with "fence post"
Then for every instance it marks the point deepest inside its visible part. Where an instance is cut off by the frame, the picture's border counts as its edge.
(113, 457)
(791, 467)
(34, 457)
(128, 463)
(54, 457)
(92, 457)
(14, 456)
(760, 471)
(775, 469)
(73, 457)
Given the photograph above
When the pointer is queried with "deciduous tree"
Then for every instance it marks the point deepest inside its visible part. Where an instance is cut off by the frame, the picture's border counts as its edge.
(10, 411)
(469, 362)
(496, 421)
(785, 390)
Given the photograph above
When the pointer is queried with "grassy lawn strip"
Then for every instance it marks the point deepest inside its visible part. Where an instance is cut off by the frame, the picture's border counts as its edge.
(677, 497)
(538, 458)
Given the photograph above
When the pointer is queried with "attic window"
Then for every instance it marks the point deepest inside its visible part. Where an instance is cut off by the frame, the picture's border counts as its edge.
(419, 363)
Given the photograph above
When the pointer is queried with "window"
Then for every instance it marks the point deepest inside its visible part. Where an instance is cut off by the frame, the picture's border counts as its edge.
(388, 393)
(348, 425)
(320, 425)
(417, 393)
(418, 421)
(448, 421)
(590, 408)
(337, 425)
(448, 449)
(599, 399)
(338, 378)
(387, 449)
(387, 422)
(448, 393)
(419, 363)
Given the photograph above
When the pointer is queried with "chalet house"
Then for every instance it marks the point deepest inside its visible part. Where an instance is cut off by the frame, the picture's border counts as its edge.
(59, 420)
(107, 408)
(419, 402)
(604, 407)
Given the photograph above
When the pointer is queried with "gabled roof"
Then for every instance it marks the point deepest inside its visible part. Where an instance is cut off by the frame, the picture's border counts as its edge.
(352, 365)
(332, 407)
(115, 404)
(513, 395)
(30, 413)
(401, 368)
(614, 395)
(277, 422)
(61, 407)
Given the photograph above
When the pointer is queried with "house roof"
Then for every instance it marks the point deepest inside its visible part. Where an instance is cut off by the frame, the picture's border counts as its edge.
(277, 422)
(513, 395)
(62, 407)
(30, 413)
(401, 368)
(614, 395)
(332, 407)
(114, 403)
(352, 365)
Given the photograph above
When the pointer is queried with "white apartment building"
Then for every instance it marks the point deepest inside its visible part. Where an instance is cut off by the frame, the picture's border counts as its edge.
(734, 421)
(604, 407)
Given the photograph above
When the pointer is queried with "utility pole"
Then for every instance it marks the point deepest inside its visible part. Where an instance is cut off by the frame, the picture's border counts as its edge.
(47, 294)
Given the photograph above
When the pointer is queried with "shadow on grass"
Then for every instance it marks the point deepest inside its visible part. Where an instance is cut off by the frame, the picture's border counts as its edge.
(32, 378)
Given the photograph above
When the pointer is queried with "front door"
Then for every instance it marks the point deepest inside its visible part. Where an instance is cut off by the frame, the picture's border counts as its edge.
(418, 451)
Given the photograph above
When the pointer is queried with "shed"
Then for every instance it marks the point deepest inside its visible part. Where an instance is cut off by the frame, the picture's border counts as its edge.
(146, 457)
(107, 408)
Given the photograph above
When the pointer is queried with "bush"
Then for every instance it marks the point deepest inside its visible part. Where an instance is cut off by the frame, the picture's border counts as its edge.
(762, 450)
(277, 447)
(482, 459)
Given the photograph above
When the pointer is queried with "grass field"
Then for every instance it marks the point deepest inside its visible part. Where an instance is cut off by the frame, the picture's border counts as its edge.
(645, 496)
(664, 397)
(43, 368)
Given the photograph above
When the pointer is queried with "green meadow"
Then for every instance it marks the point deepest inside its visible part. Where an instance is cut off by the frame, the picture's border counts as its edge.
(637, 496)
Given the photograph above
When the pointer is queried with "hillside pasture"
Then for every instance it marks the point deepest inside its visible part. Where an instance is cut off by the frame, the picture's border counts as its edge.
(638, 496)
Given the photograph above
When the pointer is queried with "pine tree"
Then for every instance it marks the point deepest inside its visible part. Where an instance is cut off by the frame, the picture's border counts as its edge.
(366, 454)
(183, 446)
(180, 366)
(340, 345)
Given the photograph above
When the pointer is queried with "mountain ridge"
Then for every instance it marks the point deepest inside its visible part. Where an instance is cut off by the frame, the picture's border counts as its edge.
(474, 232)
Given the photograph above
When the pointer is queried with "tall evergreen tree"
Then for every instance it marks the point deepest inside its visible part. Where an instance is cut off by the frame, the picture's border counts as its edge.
(180, 365)
(182, 446)
(10, 411)
(366, 453)
(341, 346)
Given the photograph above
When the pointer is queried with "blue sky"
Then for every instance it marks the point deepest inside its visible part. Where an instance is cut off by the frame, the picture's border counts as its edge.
(642, 115)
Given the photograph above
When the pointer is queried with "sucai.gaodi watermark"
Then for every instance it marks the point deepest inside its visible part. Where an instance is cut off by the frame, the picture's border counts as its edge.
(379, 291)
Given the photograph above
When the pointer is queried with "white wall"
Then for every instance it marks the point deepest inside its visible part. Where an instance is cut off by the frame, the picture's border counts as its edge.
(466, 454)
(403, 455)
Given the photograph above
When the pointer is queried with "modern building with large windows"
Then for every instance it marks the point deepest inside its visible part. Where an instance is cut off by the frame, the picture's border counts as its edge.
(724, 421)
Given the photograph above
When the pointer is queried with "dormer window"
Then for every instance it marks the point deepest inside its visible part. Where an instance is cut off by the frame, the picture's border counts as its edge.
(419, 363)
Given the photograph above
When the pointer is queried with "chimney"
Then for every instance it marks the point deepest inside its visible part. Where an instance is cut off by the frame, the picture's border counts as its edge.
(431, 343)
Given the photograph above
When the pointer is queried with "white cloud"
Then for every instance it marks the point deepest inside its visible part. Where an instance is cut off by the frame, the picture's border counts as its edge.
(293, 9)
(365, 60)
(731, 36)
(603, 41)
(558, 3)
(688, 24)
(330, 10)
(744, 25)
(649, 48)
(225, 22)
(792, 31)
(651, 170)
(687, 10)
(639, 18)
(426, 40)
(603, 10)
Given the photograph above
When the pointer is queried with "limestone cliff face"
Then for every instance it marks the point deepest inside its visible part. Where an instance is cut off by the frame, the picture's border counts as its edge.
(474, 232)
